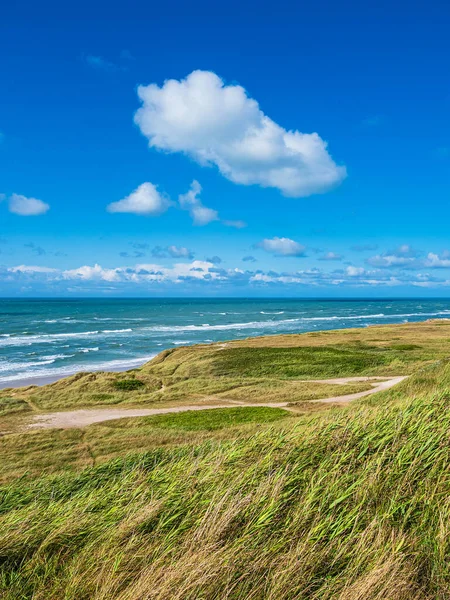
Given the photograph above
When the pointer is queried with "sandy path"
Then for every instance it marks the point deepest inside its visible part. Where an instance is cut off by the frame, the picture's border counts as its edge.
(377, 387)
(84, 417)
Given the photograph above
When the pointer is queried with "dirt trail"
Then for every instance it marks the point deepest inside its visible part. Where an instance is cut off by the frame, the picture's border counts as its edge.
(84, 417)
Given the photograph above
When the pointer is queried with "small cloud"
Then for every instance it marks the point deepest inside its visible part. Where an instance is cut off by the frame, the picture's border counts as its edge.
(331, 256)
(26, 207)
(237, 224)
(145, 200)
(36, 249)
(438, 260)
(404, 257)
(201, 215)
(355, 271)
(179, 252)
(282, 247)
(172, 251)
(249, 258)
(100, 63)
(216, 260)
(135, 254)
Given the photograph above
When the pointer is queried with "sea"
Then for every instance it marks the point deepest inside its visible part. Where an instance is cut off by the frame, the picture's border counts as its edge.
(42, 340)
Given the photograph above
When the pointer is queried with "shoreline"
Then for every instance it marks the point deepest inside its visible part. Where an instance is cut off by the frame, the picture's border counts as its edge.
(42, 380)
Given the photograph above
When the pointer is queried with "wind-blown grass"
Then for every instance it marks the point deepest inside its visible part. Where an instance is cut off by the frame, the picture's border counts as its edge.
(353, 505)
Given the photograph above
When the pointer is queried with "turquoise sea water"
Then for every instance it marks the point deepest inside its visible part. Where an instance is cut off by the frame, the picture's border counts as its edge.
(54, 338)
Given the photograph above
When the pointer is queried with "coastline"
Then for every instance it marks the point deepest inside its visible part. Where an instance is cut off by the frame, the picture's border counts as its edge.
(45, 379)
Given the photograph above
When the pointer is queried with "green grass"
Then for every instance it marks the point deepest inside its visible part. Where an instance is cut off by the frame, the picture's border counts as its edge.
(349, 505)
(127, 385)
(10, 405)
(219, 418)
(297, 363)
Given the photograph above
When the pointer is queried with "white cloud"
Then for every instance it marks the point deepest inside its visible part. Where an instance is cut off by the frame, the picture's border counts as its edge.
(218, 124)
(179, 252)
(331, 256)
(190, 201)
(237, 224)
(404, 256)
(355, 271)
(438, 261)
(282, 246)
(98, 62)
(207, 273)
(31, 269)
(145, 200)
(142, 273)
(87, 273)
(173, 251)
(26, 207)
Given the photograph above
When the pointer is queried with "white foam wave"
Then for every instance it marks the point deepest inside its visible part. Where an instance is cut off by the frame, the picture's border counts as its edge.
(111, 365)
(46, 338)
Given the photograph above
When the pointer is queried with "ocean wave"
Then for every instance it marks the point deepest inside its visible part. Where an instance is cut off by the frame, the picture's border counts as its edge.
(116, 330)
(54, 357)
(283, 322)
(45, 338)
(65, 371)
(219, 326)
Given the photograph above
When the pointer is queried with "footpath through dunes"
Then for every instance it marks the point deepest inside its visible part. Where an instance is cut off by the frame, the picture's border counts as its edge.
(84, 417)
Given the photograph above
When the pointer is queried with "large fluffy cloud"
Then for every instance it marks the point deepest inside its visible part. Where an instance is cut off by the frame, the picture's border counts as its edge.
(26, 207)
(145, 200)
(218, 124)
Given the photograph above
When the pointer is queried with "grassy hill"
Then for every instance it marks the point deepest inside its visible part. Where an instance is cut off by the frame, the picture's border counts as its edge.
(348, 503)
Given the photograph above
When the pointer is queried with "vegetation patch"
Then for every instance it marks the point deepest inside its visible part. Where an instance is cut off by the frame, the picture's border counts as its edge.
(128, 385)
(404, 347)
(303, 363)
(218, 418)
(10, 405)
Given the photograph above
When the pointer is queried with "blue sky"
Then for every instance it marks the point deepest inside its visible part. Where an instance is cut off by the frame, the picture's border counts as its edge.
(149, 149)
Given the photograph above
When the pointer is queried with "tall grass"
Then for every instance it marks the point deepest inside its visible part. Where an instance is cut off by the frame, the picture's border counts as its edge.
(354, 506)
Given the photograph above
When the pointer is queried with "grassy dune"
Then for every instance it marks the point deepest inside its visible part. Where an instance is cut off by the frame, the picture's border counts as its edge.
(348, 503)
(262, 369)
